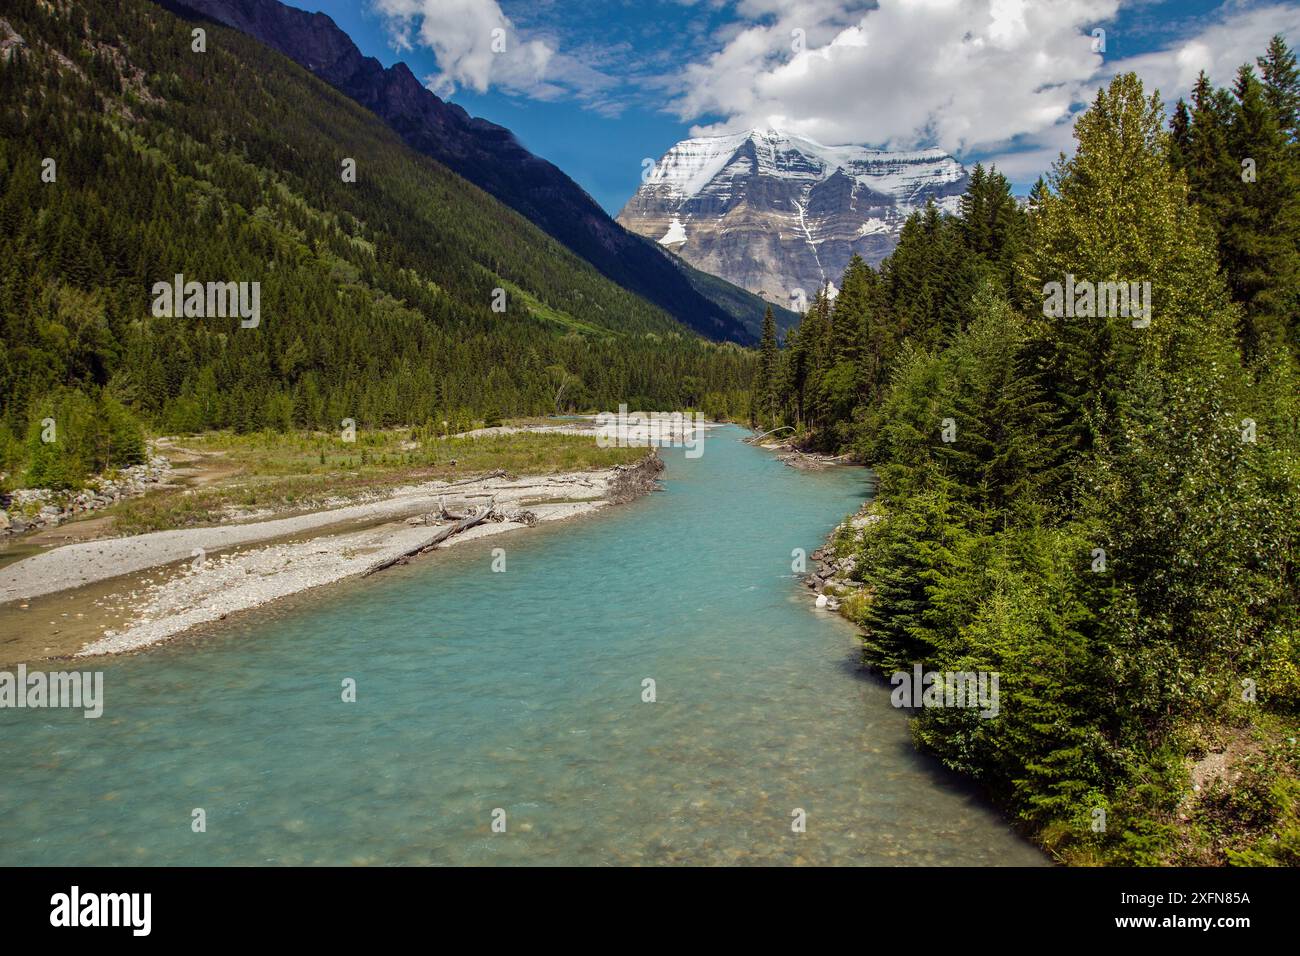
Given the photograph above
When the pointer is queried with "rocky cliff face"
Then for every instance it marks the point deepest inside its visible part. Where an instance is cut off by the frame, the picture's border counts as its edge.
(486, 154)
(779, 214)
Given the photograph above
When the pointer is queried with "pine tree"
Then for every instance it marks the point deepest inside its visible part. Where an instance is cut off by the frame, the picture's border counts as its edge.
(1282, 85)
(794, 375)
(850, 311)
(767, 371)
(1206, 157)
(974, 215)
(1180, 131)
(1259, 241)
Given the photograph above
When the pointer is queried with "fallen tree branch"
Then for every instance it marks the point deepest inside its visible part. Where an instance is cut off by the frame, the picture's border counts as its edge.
(499, 473)
(755, 439)
(465, 523)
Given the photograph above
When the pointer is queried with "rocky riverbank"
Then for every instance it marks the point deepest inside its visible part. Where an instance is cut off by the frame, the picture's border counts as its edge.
(151, 587)
(31, 509)
(832, 575)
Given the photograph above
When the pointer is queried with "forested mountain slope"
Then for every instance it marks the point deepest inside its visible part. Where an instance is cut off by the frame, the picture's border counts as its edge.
(128, 157)
(489, 156)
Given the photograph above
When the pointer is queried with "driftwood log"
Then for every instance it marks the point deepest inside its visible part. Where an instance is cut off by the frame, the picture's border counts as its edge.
(499, 473)
(465, 522)
(449, 515)
(755, 439)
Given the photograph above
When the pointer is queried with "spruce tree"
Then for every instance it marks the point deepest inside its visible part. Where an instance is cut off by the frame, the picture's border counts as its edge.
(1259, 242)
(1282, 85)
(767, 370)
(1206, 157)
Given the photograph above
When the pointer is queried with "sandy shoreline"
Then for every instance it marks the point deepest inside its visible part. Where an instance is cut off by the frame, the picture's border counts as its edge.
(257, 565)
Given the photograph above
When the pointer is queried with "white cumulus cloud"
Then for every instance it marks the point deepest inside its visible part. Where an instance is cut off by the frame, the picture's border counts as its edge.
(478, 47)
(1238, 35)
(983, 77)
(955, 73)
(991, 79)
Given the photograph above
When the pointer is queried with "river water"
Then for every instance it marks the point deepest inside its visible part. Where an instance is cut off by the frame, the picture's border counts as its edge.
(520, 692)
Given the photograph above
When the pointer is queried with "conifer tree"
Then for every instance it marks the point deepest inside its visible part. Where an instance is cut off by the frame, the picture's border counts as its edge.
(1115, 214)
(1259, 241)
(767, 370)
(1282, 85)
(1206, 157)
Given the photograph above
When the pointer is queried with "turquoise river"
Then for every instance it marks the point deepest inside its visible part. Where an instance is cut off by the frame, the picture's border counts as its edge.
(520, 691)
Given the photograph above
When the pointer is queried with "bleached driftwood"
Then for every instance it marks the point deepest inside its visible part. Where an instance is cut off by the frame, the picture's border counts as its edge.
(464, 523)
(499, 473)
(755, 439)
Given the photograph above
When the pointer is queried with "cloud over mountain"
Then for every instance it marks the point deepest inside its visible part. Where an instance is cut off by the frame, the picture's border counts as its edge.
(478, 46)
(981, 79)
(990, 77)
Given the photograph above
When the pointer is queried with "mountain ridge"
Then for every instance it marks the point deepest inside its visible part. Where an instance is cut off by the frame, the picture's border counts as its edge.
(488, 155)
(379, 297)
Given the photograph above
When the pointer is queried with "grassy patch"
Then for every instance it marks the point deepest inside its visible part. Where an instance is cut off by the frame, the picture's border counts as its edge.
(1250, 815)
(540, 310)
(303, 471)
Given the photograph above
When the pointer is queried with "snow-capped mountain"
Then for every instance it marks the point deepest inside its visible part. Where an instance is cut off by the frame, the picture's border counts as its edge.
(780, 214)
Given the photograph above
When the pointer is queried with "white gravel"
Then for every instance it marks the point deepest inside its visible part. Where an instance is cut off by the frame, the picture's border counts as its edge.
(251, 578)
(248, 575)
(74, 565)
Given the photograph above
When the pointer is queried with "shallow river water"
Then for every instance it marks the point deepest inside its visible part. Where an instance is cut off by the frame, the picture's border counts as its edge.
(520, 692)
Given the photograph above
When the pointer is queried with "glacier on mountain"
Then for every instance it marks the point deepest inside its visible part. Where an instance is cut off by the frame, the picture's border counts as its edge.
(776, 213)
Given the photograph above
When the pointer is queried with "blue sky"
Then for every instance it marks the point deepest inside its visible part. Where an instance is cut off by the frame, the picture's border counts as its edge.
(597, 87)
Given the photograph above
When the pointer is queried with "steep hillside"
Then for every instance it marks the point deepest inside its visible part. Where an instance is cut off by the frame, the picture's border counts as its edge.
(488, 156)
(127, 158)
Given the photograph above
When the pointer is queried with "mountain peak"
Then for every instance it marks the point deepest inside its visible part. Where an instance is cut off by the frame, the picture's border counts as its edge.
(774, 211)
